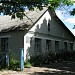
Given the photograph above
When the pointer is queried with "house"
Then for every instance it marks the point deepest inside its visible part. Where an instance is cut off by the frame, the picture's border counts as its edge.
(73, 31)
(38, 33)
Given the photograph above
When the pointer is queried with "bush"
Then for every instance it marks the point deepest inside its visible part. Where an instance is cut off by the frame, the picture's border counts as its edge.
(36, 60)
(60, 56)
(14, 64)
(27, 64)
(65, 55)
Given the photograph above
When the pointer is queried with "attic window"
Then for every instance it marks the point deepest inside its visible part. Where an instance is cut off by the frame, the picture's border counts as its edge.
(48, 26)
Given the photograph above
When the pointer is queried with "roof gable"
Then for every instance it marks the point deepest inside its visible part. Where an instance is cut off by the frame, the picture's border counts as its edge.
(6, 24)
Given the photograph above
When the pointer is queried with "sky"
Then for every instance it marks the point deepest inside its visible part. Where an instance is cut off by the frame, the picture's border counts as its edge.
(66, 18)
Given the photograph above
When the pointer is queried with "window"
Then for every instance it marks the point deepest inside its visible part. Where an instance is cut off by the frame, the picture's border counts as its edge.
(4, 44)
(37, 44)
(48, 45)
(65, 45)
(71, 46)
(56, 45)
(48, 26)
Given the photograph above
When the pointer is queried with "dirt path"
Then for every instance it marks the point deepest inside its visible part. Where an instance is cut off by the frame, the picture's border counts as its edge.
(36, 71)
(65, 68)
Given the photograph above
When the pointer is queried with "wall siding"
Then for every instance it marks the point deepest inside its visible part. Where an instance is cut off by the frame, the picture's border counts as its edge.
(15, 42)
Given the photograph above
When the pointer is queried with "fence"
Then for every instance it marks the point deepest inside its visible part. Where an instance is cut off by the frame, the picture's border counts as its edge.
(4, 59)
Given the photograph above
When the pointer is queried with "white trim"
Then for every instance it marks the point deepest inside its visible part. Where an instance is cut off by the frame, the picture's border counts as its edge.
(57, 40)
(71, 42)
(46, 38)
(66, 40)
(4, 36)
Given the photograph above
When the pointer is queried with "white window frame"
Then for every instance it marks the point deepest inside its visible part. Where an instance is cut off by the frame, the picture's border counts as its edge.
(4, 44)
(56, 45)
(48, 45)
(65, 46)
(37, 47)
(71, 46)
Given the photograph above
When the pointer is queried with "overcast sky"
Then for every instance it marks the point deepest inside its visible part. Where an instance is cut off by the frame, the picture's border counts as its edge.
(67, 19)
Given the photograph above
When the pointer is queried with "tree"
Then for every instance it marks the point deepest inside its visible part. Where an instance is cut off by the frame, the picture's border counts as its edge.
(16, 8)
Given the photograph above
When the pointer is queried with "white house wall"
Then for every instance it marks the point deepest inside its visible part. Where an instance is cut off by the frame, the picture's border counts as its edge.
(40, 30)
(34, 29)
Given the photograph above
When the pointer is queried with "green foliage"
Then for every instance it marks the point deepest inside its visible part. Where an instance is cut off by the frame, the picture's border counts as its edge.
(67, 2)
(36, 60)
(27, 64)
(51, 57)
(73, 12)
(55, 3)
(16, 8)
(14, 64)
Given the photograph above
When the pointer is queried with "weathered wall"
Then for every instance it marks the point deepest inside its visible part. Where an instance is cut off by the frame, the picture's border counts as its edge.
(15, 42)
(40, 30)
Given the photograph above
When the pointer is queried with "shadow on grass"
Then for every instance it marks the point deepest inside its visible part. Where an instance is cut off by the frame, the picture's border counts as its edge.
(41, 73)
(62, 68)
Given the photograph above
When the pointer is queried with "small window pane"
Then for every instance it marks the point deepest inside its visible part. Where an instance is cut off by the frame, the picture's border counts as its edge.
(65, 45)
(4, 44)
(48, 45)
(71, 46)
(37, 44)
(56, 45)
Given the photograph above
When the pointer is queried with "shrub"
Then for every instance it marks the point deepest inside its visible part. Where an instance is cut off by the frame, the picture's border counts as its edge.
(27, 64)
(65, 55)
(36, 60)
(14, 64)
(53, 57)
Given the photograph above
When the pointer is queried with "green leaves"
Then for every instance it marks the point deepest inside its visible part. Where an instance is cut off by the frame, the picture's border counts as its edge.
(73, 12)
(16, 8)
(67, 2)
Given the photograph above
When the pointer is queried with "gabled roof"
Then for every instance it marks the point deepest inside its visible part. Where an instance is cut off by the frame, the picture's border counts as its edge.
(6, 24)
(64, 26)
